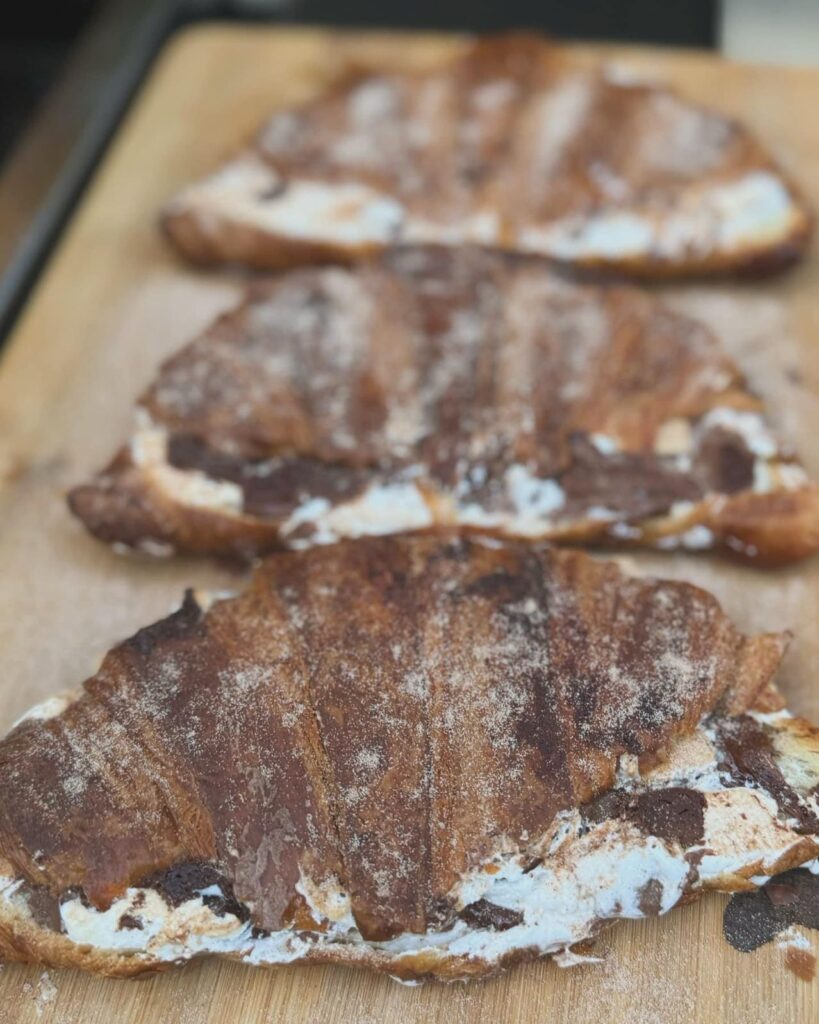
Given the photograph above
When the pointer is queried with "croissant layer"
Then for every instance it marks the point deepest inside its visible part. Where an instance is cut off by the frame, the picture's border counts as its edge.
(508, 147)
(429, 754)
(432, 388)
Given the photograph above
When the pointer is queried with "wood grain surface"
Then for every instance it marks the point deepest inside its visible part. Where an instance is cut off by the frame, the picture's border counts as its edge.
(114, 300)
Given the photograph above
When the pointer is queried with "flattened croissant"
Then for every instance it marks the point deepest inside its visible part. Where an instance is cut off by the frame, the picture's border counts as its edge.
(452, 388)
(506, 147)
(428, 755)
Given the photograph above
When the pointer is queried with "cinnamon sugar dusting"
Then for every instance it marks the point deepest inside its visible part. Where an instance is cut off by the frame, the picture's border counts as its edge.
(503, 147)
(451, 388)
(491, 686)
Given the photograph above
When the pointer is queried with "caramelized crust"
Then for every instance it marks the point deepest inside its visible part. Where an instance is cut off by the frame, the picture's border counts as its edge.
(382, 712)
(509, 147)
(438, 387)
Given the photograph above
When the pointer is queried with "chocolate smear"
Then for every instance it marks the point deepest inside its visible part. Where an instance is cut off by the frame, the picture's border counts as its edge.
(801, 962)
(750, 757)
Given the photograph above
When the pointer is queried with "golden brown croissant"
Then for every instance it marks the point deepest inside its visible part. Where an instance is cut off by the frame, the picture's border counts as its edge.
(436, 387)
(508, 147)
(427, 755)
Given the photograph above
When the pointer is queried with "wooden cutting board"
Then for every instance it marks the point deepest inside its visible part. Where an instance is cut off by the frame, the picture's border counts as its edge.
(114, 300)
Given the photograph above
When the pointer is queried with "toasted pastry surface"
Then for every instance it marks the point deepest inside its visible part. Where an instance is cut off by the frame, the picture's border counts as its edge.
(428, 755)
(506, 147)
(435, 387)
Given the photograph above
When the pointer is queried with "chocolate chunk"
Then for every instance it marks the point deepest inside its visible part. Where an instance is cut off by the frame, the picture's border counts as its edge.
(675, 814)
(750, 757)
(610, 805)
(42, 905)
(186, 881)
(483, 914)
(650, 897)
(128, 921)
(750, 920)
(754, 918)
(270, 487)
(633, 485)
(724, 462)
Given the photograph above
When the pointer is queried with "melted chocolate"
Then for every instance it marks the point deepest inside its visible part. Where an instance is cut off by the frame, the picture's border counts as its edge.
(750, 758)
(42, 905)
(675, 814)
(483, 914)
(186, 881)
(634, 486)
(270, 488)
(650, 898)
(723, 462)
(753, 918)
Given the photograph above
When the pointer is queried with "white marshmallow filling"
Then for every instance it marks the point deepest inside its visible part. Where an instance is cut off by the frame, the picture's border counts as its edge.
(583, 875)
(534, 507)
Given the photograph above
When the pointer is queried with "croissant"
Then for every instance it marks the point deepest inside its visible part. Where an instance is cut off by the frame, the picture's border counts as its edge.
(428, 755)
(452, 388)
(508, 146)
